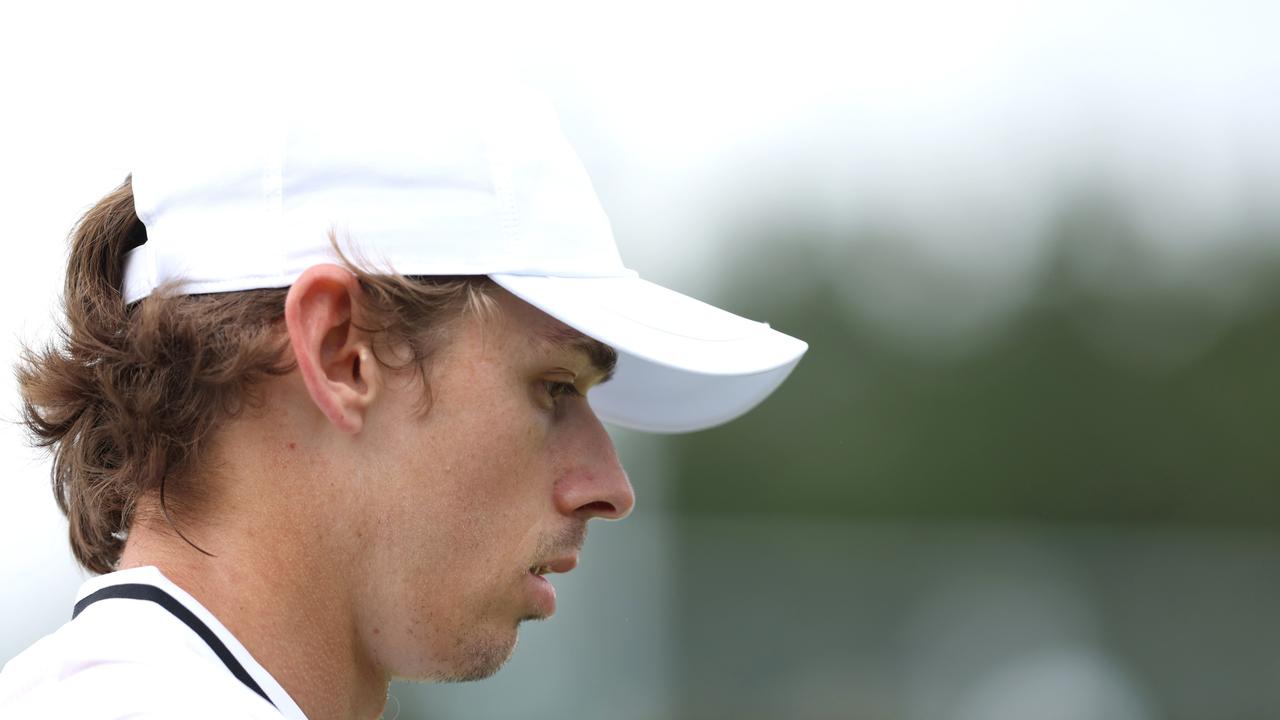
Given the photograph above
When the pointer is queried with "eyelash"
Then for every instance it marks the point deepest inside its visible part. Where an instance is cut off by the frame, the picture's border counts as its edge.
(559, 389)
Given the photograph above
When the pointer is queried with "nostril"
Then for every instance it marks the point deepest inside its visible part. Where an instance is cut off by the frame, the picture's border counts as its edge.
(597, 509)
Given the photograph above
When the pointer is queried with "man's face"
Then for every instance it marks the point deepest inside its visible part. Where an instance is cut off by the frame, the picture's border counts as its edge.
(468, 504)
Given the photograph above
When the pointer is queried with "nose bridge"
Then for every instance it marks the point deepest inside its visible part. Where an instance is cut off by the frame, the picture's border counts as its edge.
(594, 484)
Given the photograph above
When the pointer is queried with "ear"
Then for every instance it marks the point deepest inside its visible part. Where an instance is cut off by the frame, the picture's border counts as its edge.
(334, 356)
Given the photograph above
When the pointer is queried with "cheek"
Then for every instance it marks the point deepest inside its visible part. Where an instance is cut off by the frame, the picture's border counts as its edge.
(496, 497)
(493, 450)
(467, 497)
(475, 488)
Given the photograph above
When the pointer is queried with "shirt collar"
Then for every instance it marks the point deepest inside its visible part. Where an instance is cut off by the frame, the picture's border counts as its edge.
(151, 575)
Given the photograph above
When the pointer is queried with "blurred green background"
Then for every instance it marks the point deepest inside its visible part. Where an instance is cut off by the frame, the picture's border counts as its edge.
(1071, 516)
(1117, 390)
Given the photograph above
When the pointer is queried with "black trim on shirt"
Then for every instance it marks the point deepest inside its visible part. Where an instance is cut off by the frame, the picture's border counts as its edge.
(138, 591)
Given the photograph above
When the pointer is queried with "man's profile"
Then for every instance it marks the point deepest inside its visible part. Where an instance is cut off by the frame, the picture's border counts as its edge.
(319, 408)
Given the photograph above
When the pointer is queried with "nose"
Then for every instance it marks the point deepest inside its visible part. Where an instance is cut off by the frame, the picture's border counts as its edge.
(594, 483)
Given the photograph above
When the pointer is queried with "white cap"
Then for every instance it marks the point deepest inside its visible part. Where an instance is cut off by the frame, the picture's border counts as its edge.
(441, 178)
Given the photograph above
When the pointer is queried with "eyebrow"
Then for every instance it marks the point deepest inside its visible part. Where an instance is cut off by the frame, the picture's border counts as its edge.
(603, 358)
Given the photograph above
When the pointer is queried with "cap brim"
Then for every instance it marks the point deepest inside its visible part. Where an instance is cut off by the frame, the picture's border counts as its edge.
(683, 365)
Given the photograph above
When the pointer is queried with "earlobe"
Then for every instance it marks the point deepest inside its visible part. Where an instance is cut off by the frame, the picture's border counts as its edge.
(332, 353)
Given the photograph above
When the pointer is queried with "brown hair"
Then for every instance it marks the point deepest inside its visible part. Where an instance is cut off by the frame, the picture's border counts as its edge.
(128, 398)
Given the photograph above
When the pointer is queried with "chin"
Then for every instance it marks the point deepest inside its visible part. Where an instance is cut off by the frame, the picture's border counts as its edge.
(475, 658)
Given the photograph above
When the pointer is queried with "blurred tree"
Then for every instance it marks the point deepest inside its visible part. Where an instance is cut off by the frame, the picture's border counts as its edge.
(1125, 388)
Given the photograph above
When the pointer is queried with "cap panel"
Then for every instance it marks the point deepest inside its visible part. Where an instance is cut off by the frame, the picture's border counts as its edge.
(547, 198)
(447, 179)
(389, 179)
(207, 190)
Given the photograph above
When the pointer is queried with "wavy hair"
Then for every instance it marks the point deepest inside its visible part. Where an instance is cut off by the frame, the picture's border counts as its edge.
(128, 398)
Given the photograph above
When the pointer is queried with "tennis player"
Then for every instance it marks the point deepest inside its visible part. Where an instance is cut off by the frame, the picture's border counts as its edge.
(326, 410)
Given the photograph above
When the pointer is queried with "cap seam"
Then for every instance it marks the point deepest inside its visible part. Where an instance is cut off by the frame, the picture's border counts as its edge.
(499, 172)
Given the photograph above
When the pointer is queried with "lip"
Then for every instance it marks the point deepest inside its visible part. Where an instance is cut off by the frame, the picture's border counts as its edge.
(544, 593)
(563, 564)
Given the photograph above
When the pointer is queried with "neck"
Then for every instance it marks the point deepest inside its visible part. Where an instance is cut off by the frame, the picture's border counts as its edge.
(274, 584)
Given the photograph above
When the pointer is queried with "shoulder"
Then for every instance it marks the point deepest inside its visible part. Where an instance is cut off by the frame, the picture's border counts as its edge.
(123, 660)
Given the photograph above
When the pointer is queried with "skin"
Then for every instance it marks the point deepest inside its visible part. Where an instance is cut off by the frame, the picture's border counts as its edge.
(356, 539)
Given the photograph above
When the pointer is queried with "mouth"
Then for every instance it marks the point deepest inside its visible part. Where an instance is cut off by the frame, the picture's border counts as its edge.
(556, 565)
(543, 592)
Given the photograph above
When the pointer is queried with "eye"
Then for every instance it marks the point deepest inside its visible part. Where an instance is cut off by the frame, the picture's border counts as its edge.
(558, 389)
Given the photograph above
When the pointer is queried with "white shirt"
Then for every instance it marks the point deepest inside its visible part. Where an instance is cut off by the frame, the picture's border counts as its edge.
(130, 658)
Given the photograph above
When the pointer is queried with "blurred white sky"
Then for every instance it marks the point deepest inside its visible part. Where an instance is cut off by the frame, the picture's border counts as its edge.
(958, 121)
